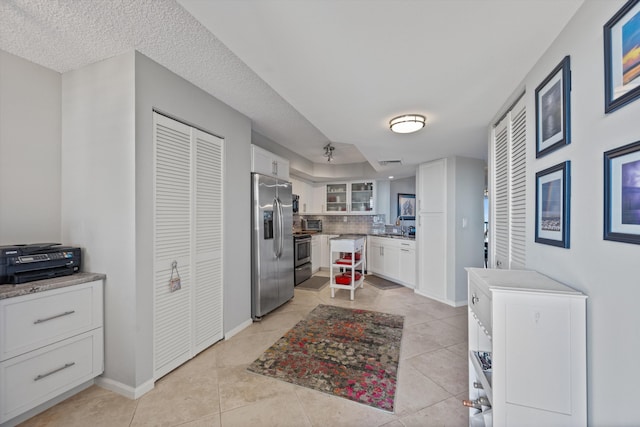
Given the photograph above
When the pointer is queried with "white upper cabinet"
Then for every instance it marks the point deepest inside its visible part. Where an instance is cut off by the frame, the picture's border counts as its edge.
(267, 163)
(349, 198)
(431, 186)
(305, 191)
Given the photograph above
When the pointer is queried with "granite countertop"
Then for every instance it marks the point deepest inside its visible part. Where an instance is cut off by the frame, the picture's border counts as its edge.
(9, 291)
(393, 236)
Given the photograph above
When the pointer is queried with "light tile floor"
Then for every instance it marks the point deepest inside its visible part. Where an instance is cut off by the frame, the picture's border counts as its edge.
(214, 388)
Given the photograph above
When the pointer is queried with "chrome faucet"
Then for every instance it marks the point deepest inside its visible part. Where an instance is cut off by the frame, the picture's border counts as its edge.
(400, 222)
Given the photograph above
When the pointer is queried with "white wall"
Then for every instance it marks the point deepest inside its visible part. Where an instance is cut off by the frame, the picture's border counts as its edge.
(606, 271)
(465, 223)
(107, 203)
(99, 195)
(29, 152)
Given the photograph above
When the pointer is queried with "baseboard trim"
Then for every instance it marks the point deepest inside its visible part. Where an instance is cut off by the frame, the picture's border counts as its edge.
(123, 389)
(444, 301)
(238, 329)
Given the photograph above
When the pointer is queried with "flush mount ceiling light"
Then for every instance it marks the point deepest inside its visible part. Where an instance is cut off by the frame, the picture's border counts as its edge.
(407, 123)
(328, 151)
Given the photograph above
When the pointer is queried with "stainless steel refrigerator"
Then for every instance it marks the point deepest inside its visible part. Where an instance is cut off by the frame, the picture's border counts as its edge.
(272, 279)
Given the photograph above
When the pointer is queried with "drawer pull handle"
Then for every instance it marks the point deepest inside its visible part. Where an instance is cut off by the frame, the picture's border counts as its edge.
(66, 313)
(66, 365)
(474, 299)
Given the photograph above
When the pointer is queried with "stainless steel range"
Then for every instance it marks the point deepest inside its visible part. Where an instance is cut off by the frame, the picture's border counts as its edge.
(301, 257)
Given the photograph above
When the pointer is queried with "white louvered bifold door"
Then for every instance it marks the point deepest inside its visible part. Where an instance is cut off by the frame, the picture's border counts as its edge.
(208, 240)
(172, 242)
(518, 193)
(500, 196)
(508, 190)
(188, 230)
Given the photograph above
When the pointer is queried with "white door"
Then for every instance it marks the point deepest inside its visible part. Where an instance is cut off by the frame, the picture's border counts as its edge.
(187, 242)
(507, 193)
(207, 295)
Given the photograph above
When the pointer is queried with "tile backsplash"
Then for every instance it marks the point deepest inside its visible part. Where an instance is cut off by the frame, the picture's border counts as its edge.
(336, 224)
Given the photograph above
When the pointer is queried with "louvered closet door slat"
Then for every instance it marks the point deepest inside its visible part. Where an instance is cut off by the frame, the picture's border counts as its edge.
(172, 242)
(208, 240)
(518, 213)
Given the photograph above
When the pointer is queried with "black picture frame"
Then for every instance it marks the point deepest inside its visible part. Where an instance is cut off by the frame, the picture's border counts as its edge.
(622, 38)
(553, 109)
(622, 194)
(553, 195)
(407, 206)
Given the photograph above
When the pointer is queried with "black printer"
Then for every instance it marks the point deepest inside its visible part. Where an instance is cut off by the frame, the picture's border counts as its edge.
(37, 261)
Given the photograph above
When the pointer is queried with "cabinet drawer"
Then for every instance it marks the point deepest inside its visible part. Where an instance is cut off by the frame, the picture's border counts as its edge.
(35, 377)
(33, 321)
(480, 305)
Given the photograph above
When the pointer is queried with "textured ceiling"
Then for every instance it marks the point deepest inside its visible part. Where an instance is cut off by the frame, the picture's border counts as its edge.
(311, 71)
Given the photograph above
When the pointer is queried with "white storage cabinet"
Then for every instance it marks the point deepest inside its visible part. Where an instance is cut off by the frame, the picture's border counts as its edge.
(393, 259)
(267, 163)
(349, 198)
(533, 329)
(50, 342)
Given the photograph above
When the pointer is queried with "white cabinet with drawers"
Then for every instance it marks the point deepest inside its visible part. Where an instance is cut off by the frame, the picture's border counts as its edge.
(527, 350)
(50, 342)
(393, 259)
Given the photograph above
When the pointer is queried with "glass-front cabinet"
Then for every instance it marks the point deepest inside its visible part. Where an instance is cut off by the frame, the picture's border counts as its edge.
(336, 200)
(362, 197)
(350, 197)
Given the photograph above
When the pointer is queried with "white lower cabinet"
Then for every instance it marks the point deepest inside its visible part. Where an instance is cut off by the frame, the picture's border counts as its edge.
(394, 259)
(407, 264)
(52, 341)
(532, 331)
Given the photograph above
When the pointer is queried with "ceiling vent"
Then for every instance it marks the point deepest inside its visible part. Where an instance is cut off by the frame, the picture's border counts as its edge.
(389, 162)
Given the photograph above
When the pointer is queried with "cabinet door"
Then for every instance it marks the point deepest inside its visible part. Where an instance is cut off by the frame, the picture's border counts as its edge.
(315, 252)
(262, 161)
(391, 255)
(362, 197)
(282, 167)
(408, 266)
(375, 261)
(336, 200)
(317, 199)
(432, 186)
(432, 251)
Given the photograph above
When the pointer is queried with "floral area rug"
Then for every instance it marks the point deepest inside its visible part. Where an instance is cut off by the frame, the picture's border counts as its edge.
(348, 353)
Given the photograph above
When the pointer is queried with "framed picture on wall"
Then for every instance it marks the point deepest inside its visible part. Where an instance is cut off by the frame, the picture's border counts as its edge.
(407, 206)
(552, 205)
(553, 109)
(622, 57)
(622, 194)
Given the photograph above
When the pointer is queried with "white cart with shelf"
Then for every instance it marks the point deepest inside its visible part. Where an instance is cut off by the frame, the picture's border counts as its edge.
(347, 253)
(532, 331)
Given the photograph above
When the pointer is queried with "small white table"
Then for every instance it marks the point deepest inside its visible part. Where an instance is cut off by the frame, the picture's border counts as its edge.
(347, 252)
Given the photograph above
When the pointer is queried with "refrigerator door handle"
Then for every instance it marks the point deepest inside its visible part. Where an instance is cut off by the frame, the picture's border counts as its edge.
(280, 227)
(276, 229)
